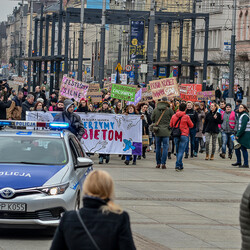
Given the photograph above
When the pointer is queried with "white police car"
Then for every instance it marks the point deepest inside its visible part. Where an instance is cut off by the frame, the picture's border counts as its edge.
(41, 174)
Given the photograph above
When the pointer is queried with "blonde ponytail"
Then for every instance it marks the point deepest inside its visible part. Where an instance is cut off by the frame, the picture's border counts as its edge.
(100, 184)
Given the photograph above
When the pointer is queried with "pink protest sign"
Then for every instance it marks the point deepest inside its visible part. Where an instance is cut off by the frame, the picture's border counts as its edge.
(206, 95)
(72, 88)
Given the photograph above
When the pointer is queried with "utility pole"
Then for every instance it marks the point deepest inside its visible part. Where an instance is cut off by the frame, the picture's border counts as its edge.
(74, 46)
(21, 40)
(30, 44)
(102, 48)
(232, 53)
(80, 54)
(150, 52)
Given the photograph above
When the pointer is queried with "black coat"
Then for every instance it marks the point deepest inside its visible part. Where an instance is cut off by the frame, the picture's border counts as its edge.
(110, 231)
(3, 107)
(193, 116)
(211, 124)
(26, 106)
(218, 93)
(245, 219)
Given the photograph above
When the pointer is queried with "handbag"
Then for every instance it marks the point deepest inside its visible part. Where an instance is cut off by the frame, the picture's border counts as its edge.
(154, 127)
(86, 230)
(145, 138)
(176, 132)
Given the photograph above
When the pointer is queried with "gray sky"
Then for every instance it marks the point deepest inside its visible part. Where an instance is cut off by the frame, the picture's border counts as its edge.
(6, 8)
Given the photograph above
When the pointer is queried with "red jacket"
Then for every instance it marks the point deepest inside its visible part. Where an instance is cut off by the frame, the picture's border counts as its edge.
(185, 124)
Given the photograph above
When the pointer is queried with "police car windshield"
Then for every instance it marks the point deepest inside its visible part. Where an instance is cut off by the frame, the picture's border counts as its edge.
(32, 150)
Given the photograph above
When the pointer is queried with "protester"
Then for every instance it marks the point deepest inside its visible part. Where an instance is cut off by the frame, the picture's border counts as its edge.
(13, 94)
(225, 94)
(3, 106)
(83, 106)
(198, 135)
(27, 105)
(243, 136)
(39, 106)
(59, 106)
(227, 129)
(53, 103)
(222, 111)
(74, 120)
(14, 112)
(239, 94)
(237, 105)
(218, 95)
(192, 131)
(106, 223)
(25, 91)
(146, 122)
(183, 121)
(131, 110)
(162, 114)
(105, 109)
(118, 108)
(211, 129)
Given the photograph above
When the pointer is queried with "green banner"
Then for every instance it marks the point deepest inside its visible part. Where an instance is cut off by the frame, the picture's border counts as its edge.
(123, 92)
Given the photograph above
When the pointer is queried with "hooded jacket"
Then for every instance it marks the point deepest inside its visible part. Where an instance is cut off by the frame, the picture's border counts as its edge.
(164, 130)
(75, 123)
(185, 123)
(3, 107)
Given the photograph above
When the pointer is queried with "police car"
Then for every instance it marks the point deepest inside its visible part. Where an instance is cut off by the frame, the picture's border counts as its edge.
(41, 174)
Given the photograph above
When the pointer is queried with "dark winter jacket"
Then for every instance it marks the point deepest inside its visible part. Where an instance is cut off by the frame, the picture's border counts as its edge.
(193, 116)
(145, 123)
(109, 111)
(75, 123)
(245, 219)
(26, 106)
(218, 93)
(165, 121)
(82, 109)
(25, 93)
(110, 231)
(243, 130)
(211, 124)
(3, 107)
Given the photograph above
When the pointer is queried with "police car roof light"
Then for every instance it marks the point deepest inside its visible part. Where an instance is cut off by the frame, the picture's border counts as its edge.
(52, 125)
(58, 125)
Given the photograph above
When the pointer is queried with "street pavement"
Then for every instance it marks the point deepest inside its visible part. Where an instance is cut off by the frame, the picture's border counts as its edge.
(194, 209)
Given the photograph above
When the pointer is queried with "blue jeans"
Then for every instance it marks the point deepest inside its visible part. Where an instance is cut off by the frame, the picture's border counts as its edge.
(128, 158)
(245, 155)
(161, 157)
(226, 140)
(181, 143)
(192, 133)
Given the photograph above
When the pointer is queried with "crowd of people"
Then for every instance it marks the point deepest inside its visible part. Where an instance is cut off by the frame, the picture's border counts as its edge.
(174, 127)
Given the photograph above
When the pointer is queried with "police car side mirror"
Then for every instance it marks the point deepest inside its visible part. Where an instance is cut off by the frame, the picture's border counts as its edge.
(83, 162)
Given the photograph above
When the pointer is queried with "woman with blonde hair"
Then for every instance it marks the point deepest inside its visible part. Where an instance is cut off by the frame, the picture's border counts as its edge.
(100, 224)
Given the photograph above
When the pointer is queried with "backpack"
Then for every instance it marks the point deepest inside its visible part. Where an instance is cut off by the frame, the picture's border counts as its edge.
(176, 132)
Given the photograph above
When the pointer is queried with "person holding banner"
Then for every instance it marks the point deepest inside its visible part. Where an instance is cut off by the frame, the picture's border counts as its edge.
(243, 136)
(83, 106)
(162, 115)
(211, 129)
(105, 109)
(74, 120)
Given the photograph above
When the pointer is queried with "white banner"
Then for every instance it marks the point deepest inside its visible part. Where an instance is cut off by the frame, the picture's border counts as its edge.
(104, 133)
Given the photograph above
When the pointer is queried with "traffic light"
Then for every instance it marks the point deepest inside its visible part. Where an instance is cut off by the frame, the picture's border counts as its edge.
(33, 52)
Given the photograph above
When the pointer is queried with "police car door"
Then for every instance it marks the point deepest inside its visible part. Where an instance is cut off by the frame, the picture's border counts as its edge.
(77, 152)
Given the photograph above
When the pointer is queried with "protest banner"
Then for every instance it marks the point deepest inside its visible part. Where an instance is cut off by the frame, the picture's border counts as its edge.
(95, 96)
(165, 87)
(191, 92)
(146, 95)
(137, 97)
(72, 88)
(19, 81)
(105, 133)
(94, 87)
(123, 92)
(206, 95)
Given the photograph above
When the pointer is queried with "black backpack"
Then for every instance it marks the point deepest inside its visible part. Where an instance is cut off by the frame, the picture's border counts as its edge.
(176, 132)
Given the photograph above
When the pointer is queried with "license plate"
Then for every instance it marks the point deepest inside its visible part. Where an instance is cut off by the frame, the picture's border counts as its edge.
(8, 206)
